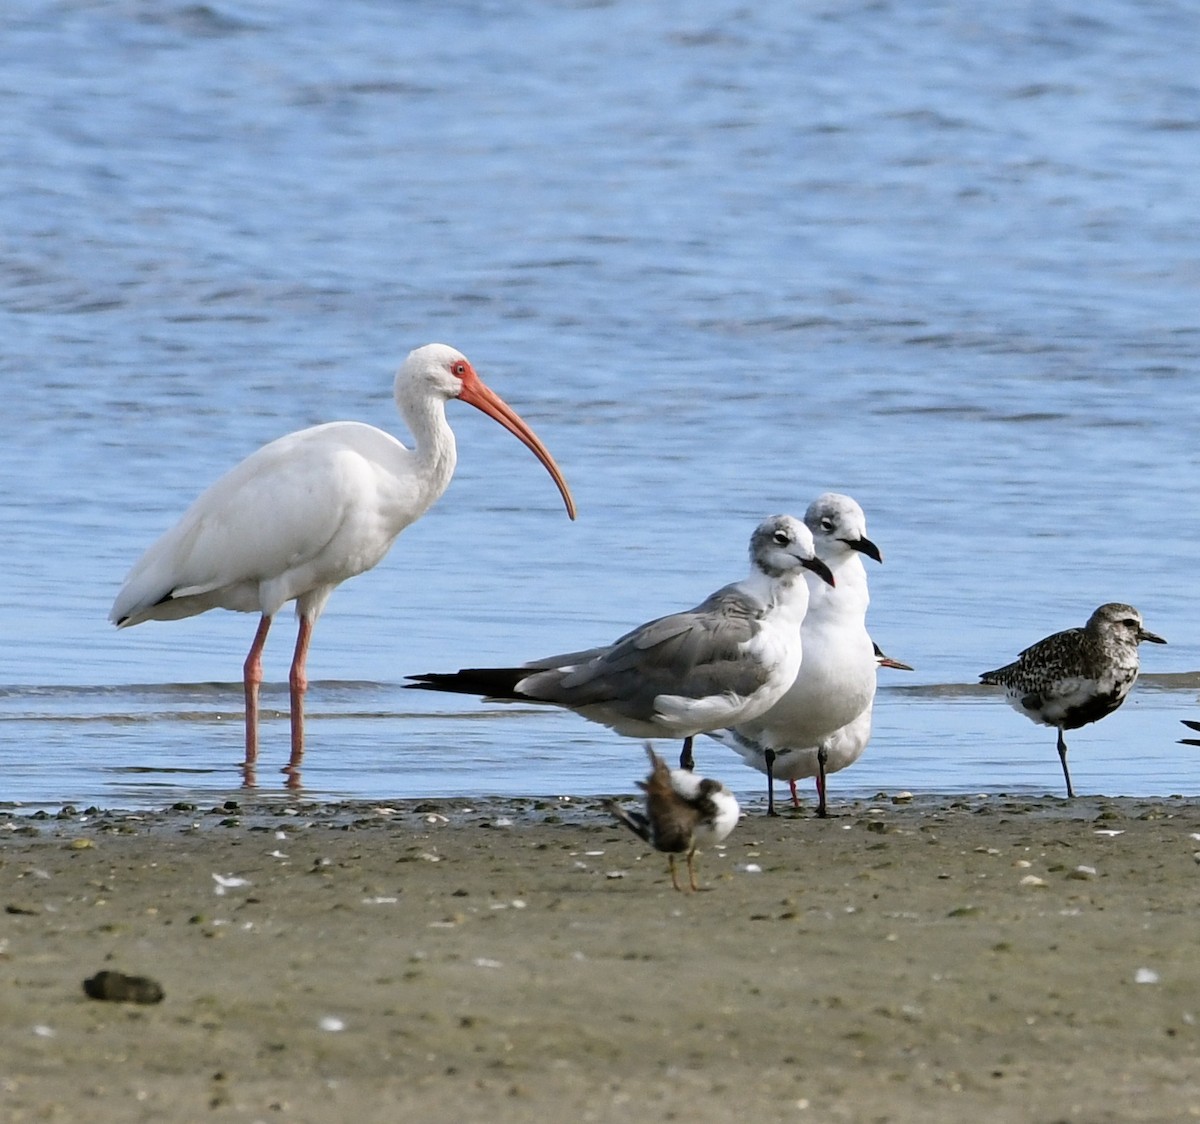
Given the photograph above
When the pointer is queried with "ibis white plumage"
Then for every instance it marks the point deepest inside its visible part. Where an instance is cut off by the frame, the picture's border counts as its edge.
(309, 510)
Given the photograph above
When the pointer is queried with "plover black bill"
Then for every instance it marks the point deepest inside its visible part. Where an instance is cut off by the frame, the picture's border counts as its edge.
(1076, 676)
(684, 812)
(725, 661)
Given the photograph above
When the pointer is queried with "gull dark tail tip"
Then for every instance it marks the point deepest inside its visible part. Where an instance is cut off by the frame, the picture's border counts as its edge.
(488, 682)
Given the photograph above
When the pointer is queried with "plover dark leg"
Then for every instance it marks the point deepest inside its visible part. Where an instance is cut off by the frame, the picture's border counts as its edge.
(1062, 756)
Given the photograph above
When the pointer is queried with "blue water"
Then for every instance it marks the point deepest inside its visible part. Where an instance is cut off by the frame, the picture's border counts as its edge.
(722, 257)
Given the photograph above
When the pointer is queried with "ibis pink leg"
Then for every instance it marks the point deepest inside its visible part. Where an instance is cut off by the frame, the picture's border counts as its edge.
(251, 678)
(298, 684)
(795, 794)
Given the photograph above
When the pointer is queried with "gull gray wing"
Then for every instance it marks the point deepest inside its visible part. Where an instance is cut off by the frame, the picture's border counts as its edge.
(695, 654)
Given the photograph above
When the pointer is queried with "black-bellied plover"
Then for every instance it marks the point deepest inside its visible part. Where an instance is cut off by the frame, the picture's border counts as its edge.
(683, 813)
(725, 661)
(1076, 676)
(836, 680)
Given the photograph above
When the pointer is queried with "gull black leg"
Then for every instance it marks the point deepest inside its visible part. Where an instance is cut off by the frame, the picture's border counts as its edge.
(822, 757)
(769, 756)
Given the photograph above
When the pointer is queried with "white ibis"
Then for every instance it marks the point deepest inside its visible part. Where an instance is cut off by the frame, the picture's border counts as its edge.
(683, 813)
(306, 512)
(836, 681)
(1076, 676)
(723, 662)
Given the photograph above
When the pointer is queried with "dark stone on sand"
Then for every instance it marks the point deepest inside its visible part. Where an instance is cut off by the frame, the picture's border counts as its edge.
(120, 988)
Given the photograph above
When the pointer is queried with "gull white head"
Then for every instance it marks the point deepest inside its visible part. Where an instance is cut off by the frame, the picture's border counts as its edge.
(838, 526)
(783, 546)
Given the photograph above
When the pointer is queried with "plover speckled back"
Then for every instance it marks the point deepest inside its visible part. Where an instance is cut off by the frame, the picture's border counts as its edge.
(1076, 676)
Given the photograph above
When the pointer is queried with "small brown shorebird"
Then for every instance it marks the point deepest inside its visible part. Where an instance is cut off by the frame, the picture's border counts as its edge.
(683, 812)
(1077, 676)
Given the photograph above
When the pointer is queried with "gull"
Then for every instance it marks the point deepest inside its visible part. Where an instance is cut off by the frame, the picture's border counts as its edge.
(683, 813)
(298, 517)
(725, 661)
(835, 684)
(838, 751)
(1076, 676)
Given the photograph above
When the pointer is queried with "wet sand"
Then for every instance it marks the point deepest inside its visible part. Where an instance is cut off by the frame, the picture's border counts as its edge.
(937, 959)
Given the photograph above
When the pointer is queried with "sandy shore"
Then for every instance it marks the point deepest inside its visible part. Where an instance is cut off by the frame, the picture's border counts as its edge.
(936, 960)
